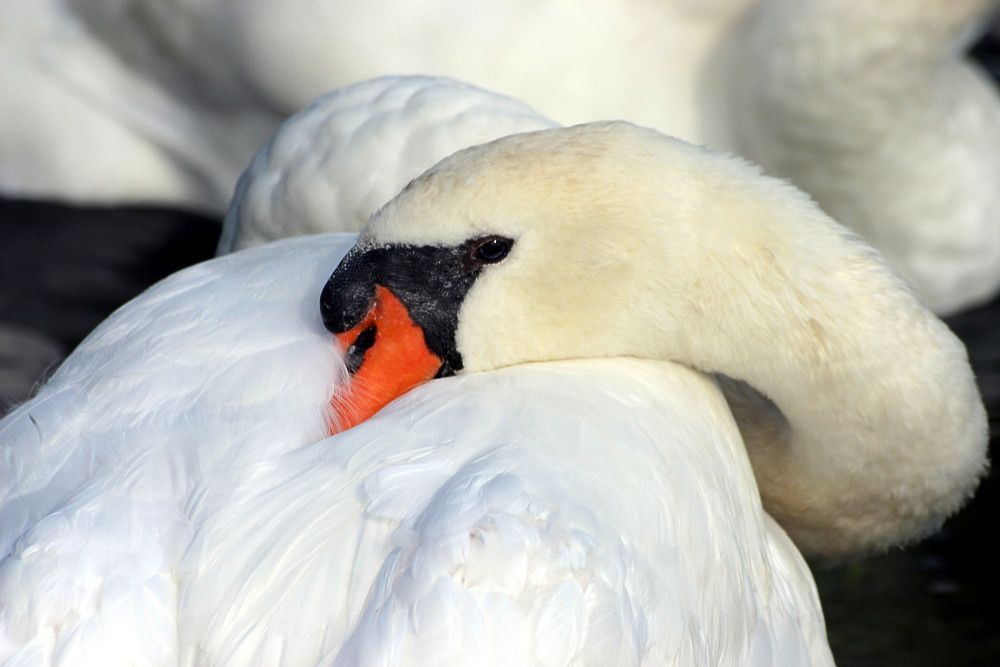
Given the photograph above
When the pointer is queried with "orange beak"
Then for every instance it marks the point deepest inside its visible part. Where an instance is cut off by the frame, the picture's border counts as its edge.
(395, 361)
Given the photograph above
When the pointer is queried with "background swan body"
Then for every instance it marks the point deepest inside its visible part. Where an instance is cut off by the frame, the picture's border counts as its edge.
(873, 110)
(170, 101)
(348, 152)
(97, 111)
(169, 496)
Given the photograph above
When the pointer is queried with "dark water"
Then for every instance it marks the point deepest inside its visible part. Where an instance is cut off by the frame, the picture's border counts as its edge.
(63, 269)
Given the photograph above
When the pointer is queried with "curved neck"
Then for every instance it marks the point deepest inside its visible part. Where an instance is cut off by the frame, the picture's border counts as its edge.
(867, 453)
(881, 432)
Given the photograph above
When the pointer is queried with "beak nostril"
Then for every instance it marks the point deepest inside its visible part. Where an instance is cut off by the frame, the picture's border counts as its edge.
(355, 355)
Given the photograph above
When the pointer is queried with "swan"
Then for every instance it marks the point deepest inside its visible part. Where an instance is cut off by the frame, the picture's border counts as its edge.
(331, 165)
(207, 480)
(873, 110)
(169, 497)
(170, 101)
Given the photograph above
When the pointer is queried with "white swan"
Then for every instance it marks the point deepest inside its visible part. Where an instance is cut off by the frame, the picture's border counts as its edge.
(872, 109)
(169, 496)
(168, 101)
(334, 163)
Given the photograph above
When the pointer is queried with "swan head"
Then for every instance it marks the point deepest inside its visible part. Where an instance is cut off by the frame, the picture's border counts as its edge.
(607, 239)
(598, 240)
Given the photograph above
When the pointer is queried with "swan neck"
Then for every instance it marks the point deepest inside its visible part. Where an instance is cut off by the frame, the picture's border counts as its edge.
(872, 431)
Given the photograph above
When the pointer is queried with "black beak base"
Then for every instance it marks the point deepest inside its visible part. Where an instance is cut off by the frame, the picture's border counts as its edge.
(430, 281)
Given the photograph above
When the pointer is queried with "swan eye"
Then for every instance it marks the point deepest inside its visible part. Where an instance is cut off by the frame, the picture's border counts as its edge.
(491, 249)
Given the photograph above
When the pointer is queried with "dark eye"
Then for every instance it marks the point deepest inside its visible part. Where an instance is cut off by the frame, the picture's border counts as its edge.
(491, 249)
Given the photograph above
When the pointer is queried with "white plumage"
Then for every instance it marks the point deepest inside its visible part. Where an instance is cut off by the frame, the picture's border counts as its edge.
(204, 374)
(471, 523)
(168, 498)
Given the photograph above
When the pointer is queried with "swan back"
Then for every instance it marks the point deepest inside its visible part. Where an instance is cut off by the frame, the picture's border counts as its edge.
(169, 497)
(338, 160)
